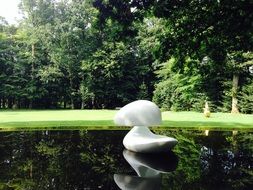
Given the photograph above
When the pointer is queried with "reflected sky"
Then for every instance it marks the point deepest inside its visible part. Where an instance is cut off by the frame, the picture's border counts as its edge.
(81, 159)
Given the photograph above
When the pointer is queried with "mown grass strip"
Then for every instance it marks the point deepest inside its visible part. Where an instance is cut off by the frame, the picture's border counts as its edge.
(103, 119)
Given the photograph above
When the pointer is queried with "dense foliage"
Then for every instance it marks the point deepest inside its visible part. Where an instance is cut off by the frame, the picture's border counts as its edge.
(104, 54)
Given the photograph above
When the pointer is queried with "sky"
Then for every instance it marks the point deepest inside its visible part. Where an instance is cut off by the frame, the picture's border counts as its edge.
(9, 10)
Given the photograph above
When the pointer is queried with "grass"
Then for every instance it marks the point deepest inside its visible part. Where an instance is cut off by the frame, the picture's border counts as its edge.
(217, 120)
(63, 119)
(101, 119)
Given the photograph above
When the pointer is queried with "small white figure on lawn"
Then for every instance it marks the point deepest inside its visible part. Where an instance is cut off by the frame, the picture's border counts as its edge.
(207, 112)
(140, 115)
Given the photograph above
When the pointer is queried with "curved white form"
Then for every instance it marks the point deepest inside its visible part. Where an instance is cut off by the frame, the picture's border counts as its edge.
(138, 113)
(149, 168)
(141, 139)
(151, 165)
(141, 114)
(127, 182)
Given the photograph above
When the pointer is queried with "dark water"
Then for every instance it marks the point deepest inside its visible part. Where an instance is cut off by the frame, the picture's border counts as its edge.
(75, 160)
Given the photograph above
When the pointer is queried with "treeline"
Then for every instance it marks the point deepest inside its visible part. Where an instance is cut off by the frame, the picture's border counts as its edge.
(105, 54)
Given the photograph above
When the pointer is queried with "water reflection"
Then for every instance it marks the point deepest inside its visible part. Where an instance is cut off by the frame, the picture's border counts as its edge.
(148, 167)
(80, 159)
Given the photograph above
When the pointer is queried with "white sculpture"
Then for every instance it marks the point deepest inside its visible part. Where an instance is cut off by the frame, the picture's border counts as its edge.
(149, 168)
(140, 115)
(127, 182)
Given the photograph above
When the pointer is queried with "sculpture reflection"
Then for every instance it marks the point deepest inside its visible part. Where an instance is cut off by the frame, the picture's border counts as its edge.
(149, 168)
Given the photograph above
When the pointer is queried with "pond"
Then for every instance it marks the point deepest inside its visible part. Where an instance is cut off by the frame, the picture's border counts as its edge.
(96, 159)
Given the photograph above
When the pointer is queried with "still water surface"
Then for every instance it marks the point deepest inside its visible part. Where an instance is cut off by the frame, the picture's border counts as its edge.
(81, 159)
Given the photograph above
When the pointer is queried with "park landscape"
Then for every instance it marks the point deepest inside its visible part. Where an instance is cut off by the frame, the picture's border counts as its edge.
(68, 66)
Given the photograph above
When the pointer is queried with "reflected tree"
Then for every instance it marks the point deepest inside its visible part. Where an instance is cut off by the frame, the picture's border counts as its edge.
(88, 159)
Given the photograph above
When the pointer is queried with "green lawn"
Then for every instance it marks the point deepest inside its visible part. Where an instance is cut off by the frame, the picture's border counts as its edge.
(217, 120)
(99, 119)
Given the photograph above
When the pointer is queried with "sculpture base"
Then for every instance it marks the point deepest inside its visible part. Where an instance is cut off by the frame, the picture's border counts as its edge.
(141, 139)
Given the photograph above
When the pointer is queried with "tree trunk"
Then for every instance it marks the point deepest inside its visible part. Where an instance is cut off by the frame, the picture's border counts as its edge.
(14, 105)
(31, 171)
(33, 56)
(82, 105)
(64, 104)
(72, 104)
(234, 94)
(72, 95)
(93, 102)
(9, 103)
(31, 104)
(32, 75)
(4, 103)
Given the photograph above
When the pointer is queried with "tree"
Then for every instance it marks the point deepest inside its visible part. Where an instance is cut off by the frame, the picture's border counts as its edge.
(111, 74)
(60, 32)
(180, 90)
(38, 14)
(104, 54)
(217, 29)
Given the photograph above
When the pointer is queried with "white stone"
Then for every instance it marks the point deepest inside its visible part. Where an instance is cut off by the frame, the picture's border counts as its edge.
(139, 115)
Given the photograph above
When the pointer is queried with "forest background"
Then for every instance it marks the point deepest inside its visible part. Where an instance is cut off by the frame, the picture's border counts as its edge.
(106, 53)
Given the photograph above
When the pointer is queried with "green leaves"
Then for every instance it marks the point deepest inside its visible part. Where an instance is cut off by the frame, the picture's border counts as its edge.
(107, 53)
(246, 98)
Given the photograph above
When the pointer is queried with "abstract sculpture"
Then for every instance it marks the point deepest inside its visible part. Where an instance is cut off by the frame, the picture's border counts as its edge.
(140, 115)
(149, 168)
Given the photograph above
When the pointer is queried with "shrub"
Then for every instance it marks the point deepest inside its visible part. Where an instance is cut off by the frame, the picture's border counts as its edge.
(246, 98)
(177, 93)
